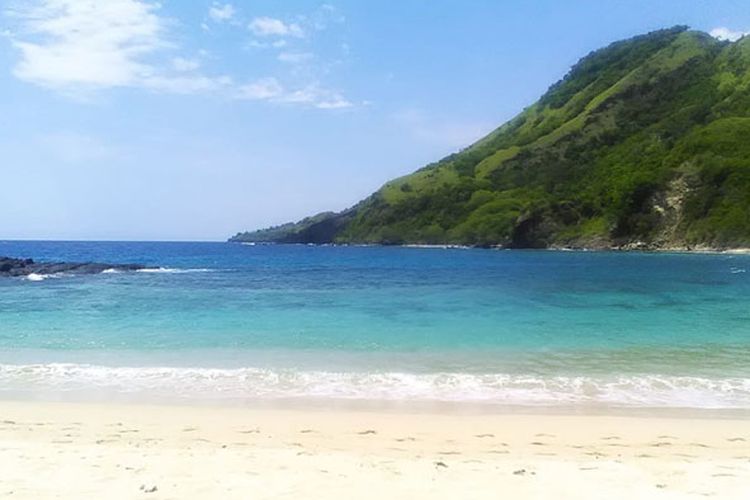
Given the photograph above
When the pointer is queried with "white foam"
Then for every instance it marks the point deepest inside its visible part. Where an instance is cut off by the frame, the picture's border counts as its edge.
(172, 270)
(649, 390)
(41, 277)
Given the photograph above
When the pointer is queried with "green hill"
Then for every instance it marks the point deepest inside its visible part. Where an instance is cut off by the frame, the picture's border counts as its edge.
(643, 144)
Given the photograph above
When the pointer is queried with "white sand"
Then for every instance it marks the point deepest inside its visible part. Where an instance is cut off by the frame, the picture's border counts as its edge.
(50, 450)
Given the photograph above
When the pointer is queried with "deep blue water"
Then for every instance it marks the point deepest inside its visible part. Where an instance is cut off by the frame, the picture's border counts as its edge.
(243, 322)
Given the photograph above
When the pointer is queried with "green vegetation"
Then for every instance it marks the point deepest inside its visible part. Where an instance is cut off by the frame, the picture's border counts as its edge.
(645, 143)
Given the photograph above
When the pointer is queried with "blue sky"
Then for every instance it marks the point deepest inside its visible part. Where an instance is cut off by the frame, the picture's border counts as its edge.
(132, 119)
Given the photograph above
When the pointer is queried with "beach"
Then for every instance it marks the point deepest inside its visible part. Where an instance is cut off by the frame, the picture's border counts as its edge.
(234, 371)
(96, 450)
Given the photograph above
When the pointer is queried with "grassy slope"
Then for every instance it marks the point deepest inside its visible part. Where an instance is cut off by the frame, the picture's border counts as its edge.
(645, 140)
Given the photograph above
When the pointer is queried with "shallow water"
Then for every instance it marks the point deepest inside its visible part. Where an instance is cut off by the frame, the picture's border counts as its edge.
(234, 322)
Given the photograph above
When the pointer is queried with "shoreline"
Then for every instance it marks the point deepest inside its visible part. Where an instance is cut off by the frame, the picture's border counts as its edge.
(125, 451)
(554, 248)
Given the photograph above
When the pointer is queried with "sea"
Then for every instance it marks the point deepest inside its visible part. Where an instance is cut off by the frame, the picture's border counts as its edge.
(225, 323)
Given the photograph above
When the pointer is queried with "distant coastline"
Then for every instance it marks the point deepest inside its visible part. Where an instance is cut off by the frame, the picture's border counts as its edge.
(698, 249)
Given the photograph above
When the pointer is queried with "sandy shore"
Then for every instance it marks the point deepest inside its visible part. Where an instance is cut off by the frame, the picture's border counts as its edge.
(55, 450)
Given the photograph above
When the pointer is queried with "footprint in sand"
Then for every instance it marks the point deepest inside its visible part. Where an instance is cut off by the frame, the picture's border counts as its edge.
(307, 431)
(250, 431)
(735, 439)
(484, 435)
(407, 438)
(368, 431)
(523, 472)
(538, 443)
(659, 444)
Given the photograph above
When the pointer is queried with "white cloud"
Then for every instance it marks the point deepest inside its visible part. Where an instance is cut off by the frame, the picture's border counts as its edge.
(268, 26)
(276, 44)
(336, 102)
(295, 57)
(79, 45)
(183, 64)
(220, 13)
(263, 89)
(269, 89)
(317, 97)
(325, 15)
(87, 42)
(726, 34)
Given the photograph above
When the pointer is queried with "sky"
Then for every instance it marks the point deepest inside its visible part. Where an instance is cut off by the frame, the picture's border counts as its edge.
(192, 120)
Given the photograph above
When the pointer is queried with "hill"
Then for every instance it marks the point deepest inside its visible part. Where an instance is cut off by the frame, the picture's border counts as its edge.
(643, 144)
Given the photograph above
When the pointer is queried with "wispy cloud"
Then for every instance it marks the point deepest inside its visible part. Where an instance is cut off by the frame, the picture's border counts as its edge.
(295, 57)
(269, 26)
(184, 64)
(263, 89)
(726, 34)
(269, 89)
(80, 46)
(221, 13)
(75, 45)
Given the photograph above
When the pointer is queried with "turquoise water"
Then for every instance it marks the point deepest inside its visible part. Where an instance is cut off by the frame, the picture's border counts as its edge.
(221, 321)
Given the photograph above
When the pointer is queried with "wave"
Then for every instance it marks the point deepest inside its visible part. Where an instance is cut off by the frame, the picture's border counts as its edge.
(648, 390)
(41, 277)
(173, 270)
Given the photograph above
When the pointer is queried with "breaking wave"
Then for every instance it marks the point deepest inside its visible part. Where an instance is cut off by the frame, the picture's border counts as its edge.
(172, 270)
(256, 383)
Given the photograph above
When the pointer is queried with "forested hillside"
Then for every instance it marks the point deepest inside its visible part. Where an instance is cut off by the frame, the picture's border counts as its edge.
(643, 144)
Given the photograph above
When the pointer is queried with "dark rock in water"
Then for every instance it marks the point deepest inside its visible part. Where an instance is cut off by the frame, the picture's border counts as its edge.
(10, 267)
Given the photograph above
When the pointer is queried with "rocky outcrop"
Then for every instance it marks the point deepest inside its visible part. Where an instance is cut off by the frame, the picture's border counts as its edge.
(10, 267)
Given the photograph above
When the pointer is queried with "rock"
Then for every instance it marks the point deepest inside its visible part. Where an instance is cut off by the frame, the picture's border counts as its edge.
(12, 267)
